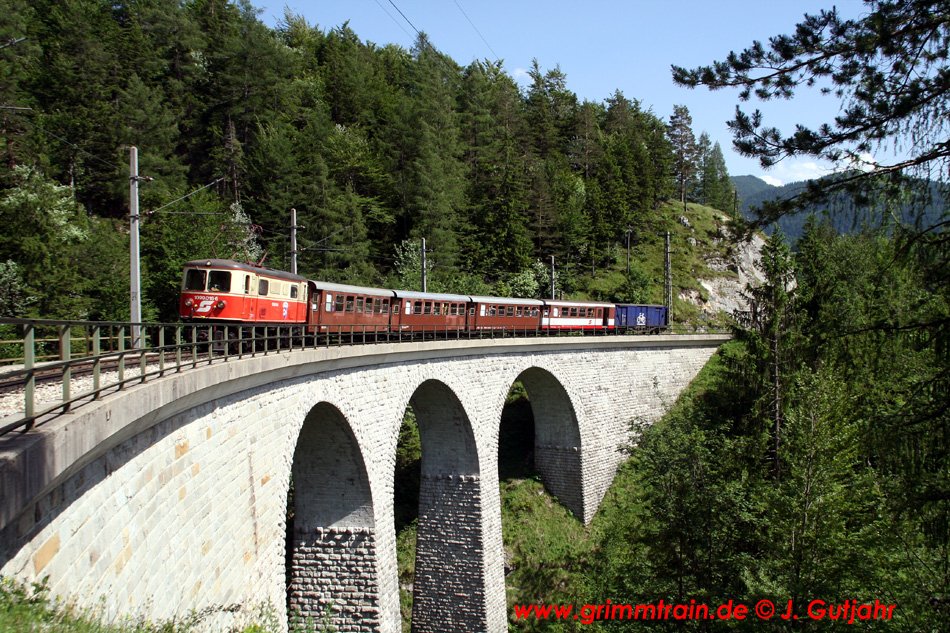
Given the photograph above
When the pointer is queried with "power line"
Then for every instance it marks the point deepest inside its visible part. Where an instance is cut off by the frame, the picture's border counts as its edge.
(408, 21)
(477, 31)
(188, 195)
(397, 22)
(110, 165)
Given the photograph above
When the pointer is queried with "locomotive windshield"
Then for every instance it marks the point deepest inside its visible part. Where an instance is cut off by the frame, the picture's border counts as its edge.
(217, 280)
(195, 279)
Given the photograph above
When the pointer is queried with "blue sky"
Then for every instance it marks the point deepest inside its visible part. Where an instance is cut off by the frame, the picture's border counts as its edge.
(602, 46)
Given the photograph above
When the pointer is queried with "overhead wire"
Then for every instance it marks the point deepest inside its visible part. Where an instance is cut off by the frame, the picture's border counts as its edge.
(79, 149)
(397, 23)
(497, 59)
(188, 195)
(408, 21)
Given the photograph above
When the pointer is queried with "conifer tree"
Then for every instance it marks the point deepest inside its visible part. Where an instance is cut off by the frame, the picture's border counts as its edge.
(685, 150)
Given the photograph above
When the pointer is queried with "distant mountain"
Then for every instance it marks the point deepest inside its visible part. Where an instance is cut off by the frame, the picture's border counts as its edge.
(845, 215)
(750, 186)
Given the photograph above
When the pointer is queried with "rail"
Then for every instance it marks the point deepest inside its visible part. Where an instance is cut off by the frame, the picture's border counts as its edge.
(83, 360)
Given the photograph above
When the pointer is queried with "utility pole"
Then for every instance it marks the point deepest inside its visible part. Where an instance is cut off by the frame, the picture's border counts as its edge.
(629, 230)
(423, 258)
(669, 282)
(552, 277)
(135, 278)
(293, 241)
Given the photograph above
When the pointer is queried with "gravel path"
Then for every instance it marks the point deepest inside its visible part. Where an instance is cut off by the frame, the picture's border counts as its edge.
(50, 393)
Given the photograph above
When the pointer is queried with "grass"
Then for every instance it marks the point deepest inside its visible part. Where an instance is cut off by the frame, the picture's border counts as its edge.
(30, 608)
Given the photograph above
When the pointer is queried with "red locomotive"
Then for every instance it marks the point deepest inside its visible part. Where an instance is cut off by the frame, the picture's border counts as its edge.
(228, 292)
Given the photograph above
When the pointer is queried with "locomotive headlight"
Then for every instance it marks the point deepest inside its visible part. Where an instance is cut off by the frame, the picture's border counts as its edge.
(220, 305)
(189, 303)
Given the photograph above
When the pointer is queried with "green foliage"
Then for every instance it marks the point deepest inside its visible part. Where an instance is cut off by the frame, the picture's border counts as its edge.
(46, 233)
(371, 145)
(808, 459)
(15, 299)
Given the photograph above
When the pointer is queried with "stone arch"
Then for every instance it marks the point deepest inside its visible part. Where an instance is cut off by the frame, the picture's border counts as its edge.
(557, 438)
(331, 557)
(449, 592)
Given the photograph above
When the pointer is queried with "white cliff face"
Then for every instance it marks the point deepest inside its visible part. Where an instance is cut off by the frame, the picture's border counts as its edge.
(739, 269)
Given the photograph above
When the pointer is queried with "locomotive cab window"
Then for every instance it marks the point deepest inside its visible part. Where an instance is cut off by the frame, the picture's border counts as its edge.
(293, 292)
(195, 279)
(262, 287)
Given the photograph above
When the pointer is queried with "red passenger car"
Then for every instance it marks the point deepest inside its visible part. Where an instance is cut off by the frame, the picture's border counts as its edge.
(504, 313)
(230, 292)
(429, 312)
(342, 308)
(578, 315)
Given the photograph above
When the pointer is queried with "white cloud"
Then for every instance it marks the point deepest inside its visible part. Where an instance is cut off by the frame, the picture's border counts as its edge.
(520, 74)
(795, 171)
(864, 162)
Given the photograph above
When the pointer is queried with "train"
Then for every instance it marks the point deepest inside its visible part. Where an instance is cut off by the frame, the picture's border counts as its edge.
(228, 292)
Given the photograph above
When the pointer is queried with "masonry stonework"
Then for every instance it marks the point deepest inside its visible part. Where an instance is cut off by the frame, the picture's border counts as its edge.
(184, 508)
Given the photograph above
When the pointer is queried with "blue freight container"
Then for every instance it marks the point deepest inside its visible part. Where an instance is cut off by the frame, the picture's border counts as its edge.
(641, 317)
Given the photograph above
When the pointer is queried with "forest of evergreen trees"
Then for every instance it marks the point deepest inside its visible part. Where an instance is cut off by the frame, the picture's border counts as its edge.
(373, 145)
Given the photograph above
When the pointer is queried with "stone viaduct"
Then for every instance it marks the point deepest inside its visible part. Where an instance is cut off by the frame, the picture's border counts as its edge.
(169, 498)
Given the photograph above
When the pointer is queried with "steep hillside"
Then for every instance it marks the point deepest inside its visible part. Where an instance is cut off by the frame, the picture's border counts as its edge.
(710, 268)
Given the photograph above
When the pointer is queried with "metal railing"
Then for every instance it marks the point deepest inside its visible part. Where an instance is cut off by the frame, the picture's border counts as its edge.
(102, 356)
